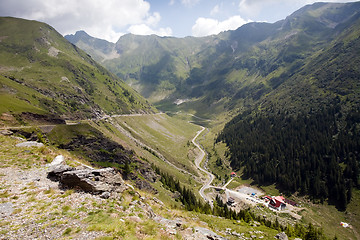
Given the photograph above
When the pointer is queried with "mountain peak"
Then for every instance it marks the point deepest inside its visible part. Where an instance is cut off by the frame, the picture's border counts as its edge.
(82, 33)
(99, 49)
(79, 35)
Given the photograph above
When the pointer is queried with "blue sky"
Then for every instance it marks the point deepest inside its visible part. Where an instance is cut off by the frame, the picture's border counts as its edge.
(110, 19)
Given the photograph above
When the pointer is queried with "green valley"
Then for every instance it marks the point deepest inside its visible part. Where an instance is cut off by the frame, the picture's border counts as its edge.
(250, 133)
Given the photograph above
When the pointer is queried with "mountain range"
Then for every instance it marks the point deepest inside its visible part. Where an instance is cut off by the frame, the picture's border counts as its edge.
(259, 63)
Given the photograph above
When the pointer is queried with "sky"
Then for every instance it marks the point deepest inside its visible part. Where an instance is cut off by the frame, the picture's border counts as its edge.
(110, 19)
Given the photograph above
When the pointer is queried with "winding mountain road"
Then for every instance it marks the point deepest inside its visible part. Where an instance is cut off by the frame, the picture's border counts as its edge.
(198, 161)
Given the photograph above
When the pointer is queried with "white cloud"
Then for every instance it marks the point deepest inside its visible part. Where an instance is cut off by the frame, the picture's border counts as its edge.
(215, 10)
(143, 29)
(154, 19)
(172, 2)
(209, 26)
(103, 19)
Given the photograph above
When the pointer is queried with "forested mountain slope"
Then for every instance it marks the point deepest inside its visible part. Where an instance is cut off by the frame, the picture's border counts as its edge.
(304, 135)
(42, 73)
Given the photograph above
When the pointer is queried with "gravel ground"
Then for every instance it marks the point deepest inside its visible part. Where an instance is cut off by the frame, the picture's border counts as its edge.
(33, 207)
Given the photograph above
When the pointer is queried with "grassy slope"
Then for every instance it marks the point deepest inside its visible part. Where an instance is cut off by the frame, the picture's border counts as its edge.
(329, 218)
(40, 67)
(170, 136)
(112, 218)
(167, 135)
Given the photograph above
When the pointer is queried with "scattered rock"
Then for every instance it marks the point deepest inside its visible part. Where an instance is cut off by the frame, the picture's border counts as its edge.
(36, 179)
(282, 236)
(158, 201)
(150, 212)
(133, 202)
(6, 132)
(171, 231)
(6, 209)
(30, 144)
(65, 79)
(171, 225)
(208, 233)
(105, 195)
(130, 186)
(255, 224)
(135, 219)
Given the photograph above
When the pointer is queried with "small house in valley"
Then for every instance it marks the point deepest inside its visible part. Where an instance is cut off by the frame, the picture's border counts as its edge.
(277, 205)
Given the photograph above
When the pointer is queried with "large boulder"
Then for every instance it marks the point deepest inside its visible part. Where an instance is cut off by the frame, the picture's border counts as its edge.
(95, 181)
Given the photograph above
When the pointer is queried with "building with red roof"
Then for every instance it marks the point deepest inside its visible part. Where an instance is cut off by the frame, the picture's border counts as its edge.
(276, 204)
(280, 199)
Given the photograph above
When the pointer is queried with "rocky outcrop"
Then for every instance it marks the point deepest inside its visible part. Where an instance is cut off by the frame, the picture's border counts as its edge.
(96, 181)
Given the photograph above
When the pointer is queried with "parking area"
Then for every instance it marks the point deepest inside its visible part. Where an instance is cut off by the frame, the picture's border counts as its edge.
(249, 190)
